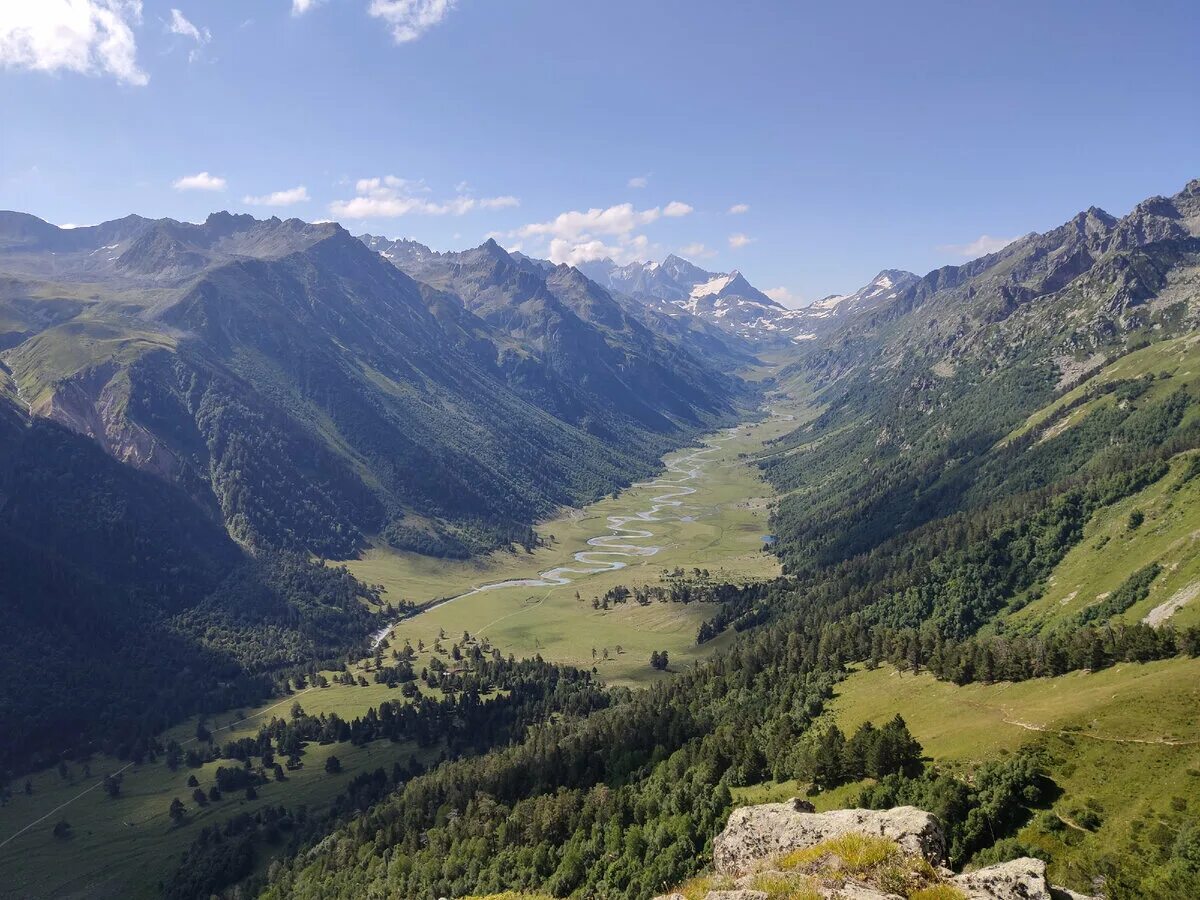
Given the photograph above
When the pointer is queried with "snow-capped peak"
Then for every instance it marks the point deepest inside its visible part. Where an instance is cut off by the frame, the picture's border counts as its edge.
(714, 285)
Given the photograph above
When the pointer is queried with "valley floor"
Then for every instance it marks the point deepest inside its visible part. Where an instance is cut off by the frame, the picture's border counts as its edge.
(124, 847)
(720, 527)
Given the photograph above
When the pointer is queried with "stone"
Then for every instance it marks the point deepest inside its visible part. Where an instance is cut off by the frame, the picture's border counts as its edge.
(756, 833)
(1017, 879)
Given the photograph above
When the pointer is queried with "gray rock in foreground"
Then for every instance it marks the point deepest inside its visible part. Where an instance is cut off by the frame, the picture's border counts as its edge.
(759, 832)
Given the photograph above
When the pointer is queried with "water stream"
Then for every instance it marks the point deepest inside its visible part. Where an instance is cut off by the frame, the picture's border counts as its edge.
(614, 545)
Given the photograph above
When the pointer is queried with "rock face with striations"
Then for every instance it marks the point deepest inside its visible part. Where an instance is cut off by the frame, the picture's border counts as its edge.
(757, 832)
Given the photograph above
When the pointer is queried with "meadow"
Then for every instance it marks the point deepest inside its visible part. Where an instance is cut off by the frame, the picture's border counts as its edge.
(720, 528)
(1123, 742)
(123, 847)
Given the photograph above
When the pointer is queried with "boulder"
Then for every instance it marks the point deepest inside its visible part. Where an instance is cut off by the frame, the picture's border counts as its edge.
(1017, 879)
(756, 833)
(1023, 878)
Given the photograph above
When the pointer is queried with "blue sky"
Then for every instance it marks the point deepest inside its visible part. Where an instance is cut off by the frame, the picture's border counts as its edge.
(807, 144)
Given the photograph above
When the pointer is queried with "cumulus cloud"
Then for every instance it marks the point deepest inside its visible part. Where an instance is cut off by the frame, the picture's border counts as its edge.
(201, 181)
(92, 37)
(409, 19)
(619, 219)
(738, 208)
(737, 241)
(286, 197)
(180, 25)
(785, 297)
(625, 250)
(300, 7)
(696, 251)
(579, 236)
(981, 246)
(388, 197)
(639, 181)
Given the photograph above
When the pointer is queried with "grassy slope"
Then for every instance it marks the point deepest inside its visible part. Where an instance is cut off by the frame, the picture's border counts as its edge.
(731, 518)
(1177, 361)
(122, 848)
(1102, 717)
(1110, 551)
(108, 858)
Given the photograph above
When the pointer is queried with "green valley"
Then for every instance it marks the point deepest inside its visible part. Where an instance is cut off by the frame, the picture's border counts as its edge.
(125, 846)
(721, 529)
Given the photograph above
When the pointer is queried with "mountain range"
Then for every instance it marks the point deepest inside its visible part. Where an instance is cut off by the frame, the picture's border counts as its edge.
(994, 479)
(192, 412)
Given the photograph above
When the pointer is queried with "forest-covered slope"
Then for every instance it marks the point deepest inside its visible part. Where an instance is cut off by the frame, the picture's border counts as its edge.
(312, 395)
(966, 449)
(126, 607)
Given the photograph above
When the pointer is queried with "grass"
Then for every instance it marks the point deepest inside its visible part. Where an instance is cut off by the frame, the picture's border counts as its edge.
(855, 853)
(780, 791)
(1110, 550)
(729, 515)
(1174, 363)
(1103, 731)
(123, 847)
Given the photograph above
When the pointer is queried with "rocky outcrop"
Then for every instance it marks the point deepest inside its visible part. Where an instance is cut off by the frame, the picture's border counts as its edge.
(758, 832)
(787, 849)
(1023, 878)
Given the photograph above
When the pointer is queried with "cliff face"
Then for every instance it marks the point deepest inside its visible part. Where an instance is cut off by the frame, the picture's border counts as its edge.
(786, 851)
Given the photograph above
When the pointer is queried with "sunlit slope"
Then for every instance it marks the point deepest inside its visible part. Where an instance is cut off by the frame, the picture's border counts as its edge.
(1158, 525)
(1123, 743)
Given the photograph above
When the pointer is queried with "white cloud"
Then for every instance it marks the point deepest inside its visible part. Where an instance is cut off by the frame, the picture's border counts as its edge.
(696, 251)
(506, 202)
(981, 246)
(639, 181)
(388, 197)
(91, 37)
(280, 198)
(737, 241)
(575, 224)
(578, 235)
(627, 249)
(738, 208)
(181, 26)
(201, 181)
(300, 7)
(409, 19)
(784, 296)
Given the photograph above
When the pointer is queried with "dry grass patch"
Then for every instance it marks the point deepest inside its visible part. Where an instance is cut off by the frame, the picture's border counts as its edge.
(778, 886)
(856, 853)
(697, 888)
(938, 892)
